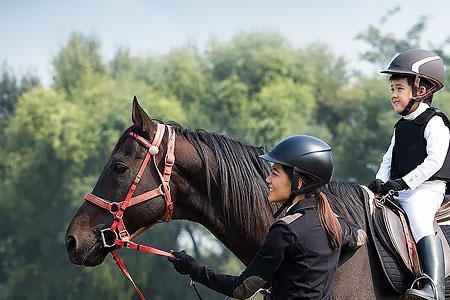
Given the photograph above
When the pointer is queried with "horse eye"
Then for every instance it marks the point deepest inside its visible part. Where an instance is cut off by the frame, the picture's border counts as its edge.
(118, 168)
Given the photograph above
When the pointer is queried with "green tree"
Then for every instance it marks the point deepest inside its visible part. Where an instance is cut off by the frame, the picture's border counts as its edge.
(256, 58)
(282, 108)
(10, 90)
(32, 226)
(326, 74)
(227, 105)
(78, 65)
(362, 134)
(384, 46)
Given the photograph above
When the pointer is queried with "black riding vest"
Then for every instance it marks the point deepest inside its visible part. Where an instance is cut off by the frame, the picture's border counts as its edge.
(410, 146)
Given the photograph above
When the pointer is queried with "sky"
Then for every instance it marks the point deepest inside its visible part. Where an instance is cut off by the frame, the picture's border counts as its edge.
(32, 32)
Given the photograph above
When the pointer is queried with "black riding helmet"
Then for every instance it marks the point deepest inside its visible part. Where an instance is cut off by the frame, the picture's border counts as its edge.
(421, 64)
(306, 155)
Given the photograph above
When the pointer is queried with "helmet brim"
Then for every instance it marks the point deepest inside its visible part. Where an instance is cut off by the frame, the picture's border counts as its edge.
(270, 158)
(398, 72)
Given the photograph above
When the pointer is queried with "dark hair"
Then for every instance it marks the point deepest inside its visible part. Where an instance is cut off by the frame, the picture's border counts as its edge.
(423, 82)
(288, 170)
(329, 220)
(326, 215)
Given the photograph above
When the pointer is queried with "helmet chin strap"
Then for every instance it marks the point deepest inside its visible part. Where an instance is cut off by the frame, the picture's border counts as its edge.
(285, 204)
(408, 107)
(414, 99)
(419, 98)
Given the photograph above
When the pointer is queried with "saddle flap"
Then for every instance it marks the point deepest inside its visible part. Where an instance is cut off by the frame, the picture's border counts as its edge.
(396, 235)
(391, 246)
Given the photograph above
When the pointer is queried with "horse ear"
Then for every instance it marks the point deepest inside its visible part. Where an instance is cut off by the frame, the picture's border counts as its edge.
(140, 117)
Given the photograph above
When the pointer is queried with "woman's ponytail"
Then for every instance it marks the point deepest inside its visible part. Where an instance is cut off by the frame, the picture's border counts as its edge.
(329, 220)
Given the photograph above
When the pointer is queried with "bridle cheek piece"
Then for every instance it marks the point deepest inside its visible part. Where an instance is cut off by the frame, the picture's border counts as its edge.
(117, 235)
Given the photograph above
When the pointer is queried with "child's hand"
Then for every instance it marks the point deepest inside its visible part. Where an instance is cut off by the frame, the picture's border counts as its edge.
(375, 185)
(395, 185)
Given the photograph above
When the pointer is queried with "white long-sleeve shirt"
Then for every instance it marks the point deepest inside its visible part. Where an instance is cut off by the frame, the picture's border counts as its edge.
(437, 136)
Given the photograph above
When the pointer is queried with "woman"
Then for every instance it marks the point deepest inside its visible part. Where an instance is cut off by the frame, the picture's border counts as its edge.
(300, 255)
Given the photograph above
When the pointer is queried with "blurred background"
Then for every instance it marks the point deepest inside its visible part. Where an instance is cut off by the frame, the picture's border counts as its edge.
(255, 71)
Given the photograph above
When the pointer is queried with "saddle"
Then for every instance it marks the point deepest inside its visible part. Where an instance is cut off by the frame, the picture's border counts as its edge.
(394, 244)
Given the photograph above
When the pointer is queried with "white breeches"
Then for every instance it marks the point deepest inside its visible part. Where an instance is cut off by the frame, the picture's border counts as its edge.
(421, 206)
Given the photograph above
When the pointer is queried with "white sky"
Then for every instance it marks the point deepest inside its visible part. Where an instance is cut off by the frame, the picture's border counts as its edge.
(31, 32)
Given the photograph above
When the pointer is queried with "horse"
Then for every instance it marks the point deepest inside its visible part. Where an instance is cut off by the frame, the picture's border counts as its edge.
(218, 182)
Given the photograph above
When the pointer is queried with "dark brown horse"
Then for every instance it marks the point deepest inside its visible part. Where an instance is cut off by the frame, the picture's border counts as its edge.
(219, 183)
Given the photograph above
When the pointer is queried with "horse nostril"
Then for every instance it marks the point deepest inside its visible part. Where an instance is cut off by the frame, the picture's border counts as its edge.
(71, 243)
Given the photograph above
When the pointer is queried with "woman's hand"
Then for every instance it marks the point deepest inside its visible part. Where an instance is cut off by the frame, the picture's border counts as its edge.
(182, 262)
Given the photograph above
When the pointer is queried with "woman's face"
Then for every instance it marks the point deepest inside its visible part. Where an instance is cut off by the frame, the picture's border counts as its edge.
(279, 184)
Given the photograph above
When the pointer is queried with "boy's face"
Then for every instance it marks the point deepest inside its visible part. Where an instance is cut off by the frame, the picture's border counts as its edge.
(401, 93)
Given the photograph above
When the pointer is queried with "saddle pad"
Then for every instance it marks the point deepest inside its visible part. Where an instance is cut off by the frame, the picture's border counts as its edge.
(390, 244)
(398, 240)
(392, 266)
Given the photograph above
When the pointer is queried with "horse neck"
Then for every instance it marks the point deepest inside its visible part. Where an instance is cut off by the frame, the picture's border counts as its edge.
(240, 220)
(348, 199)
(211, 215)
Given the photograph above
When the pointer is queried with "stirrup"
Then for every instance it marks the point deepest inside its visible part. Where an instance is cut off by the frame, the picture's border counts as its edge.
(433, 285)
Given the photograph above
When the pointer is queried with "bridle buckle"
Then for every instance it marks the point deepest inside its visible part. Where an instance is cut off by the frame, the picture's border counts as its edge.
(169, 159)
(108, 237)
(124, 235)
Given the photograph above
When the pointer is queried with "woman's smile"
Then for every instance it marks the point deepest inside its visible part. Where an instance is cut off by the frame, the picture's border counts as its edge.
(279, 184)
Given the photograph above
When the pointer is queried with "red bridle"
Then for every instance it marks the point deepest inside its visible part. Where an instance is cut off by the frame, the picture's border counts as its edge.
(117, 234)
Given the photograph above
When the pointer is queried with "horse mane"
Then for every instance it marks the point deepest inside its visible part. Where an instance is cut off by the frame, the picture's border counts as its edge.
(242, 182)
(242, 186)
(241, 179)
(347, 199)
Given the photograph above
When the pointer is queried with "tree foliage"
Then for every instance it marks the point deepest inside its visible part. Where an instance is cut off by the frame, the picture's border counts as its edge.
(11, 89)
(256, 87)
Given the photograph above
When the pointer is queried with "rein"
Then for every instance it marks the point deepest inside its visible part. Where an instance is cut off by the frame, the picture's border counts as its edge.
(117, 235)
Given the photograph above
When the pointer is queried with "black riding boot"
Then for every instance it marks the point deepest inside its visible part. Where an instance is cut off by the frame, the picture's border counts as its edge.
(431, 258)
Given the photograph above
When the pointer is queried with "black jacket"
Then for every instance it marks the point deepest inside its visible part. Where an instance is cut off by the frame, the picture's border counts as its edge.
(296, 259)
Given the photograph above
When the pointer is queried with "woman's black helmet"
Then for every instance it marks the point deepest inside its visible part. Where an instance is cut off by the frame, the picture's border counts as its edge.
(305, 154)
(421, 64)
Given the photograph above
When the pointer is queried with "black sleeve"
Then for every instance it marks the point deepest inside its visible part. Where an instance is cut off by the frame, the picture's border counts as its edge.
(260, 270)
(353, 237)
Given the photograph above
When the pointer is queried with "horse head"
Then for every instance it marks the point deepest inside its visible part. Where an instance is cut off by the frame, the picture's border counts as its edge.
(214, 180)
(153, 197)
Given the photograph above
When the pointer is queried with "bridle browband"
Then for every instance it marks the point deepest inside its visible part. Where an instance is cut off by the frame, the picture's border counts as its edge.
(117, 235)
